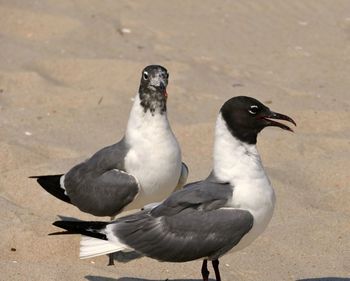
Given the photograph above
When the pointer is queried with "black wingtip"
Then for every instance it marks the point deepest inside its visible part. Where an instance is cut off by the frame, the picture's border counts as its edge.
(71, 226)
(61, 233)
(61, 224)
(53, 186)
(88, 228)
(45, 176)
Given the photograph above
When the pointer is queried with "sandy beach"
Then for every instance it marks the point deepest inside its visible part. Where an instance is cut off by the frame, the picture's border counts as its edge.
(70, 69)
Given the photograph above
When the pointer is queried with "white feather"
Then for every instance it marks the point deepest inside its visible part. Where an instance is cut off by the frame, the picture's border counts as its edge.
(62, 184)
(240, 164)
(93, 247)
(154, 157)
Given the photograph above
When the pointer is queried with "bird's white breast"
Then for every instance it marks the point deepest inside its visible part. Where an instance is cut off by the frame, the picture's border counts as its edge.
(240, 164)
(154, 157)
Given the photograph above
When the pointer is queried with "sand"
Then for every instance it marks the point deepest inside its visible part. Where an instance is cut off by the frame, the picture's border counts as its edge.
(69, 71)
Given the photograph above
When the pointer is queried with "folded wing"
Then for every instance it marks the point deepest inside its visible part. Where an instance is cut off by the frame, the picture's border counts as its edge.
(192, 223)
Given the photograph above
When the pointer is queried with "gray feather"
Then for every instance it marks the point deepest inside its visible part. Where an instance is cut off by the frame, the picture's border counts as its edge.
(189, 225)
(190, 234)
(205, 195)
(183, 177)
(99, 186)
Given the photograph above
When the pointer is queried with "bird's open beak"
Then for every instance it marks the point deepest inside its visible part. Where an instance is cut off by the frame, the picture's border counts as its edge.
(278, 116)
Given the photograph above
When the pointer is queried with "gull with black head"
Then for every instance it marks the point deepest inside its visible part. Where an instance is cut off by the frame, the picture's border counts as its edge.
(207, 219)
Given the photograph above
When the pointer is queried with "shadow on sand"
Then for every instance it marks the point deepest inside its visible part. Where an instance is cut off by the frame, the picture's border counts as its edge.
(100, 278)
(325, 279)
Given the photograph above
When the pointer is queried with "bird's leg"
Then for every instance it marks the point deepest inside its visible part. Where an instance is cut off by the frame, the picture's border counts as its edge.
(216, 269)
(205, 272)
(110, 259)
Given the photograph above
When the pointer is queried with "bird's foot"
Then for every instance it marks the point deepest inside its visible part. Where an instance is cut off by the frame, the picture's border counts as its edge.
(110, 260)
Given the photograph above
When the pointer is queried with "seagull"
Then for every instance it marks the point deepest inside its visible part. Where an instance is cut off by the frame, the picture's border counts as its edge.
(145, 166)
(207, 219)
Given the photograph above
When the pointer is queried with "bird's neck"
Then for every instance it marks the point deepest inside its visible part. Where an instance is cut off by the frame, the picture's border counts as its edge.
(145, 124)
(235, 160)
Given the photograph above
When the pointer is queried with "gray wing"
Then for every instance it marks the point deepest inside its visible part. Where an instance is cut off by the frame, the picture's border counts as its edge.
(189, 225)
(205, 195)
(183, 177)
(99, 185)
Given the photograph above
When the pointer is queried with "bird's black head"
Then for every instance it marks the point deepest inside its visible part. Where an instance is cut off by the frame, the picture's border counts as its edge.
(152, 91)
(246, 117)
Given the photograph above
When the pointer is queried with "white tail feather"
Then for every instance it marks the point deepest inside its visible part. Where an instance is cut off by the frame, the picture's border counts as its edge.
(93, 247)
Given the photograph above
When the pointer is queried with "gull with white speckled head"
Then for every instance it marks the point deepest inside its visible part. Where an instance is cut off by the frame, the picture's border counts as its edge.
(206, 219)
(143, 167)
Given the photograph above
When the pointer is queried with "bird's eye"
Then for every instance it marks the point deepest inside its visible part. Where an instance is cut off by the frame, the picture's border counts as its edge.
(254, 109)
(145, 75)
(167, 75)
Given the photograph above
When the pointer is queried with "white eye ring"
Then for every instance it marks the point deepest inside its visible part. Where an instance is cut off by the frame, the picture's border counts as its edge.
(145, 75)
(253, 109)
